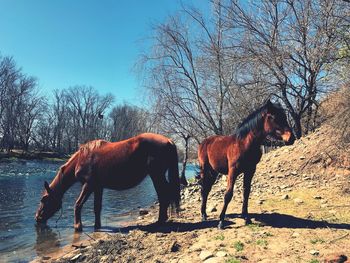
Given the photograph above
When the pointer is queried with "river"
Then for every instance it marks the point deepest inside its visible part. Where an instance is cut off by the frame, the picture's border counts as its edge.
(21, 186)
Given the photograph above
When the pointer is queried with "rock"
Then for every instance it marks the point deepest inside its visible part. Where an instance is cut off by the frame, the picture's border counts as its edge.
(302, 157)
(295, 235)
(214, 260)
(76, 257)
(175, 247)
(221, 254)
(259, 202)
(205, 255)
(298, 201)
(294, 173)
(317, 197)
(104, 259)
(285, 197)
(196, 247)
(212, 208)
(314, 252)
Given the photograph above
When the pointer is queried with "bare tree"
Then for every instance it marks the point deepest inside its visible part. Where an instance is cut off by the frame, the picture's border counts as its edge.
(20, 105)
(291, 42)
(127, 121)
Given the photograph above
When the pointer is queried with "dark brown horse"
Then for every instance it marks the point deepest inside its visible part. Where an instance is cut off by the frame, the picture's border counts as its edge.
(240, 153)
(119, 165)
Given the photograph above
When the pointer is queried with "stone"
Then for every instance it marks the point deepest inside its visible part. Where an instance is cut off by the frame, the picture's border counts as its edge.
(285, 197)
(214, 260)
(298, 201)
(295, 235)
(259, 202)
(212, 208)
(302, 157)
(317, 197)
(205, 255)
(175, 247)
(196, 247)
(314, 252)
(221, 254)
(76, 257)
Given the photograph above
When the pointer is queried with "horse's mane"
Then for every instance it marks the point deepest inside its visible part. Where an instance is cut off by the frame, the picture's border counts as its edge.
(91, 145)
(254, 120)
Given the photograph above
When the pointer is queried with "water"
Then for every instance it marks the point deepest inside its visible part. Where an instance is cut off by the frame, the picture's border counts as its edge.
(21, 186)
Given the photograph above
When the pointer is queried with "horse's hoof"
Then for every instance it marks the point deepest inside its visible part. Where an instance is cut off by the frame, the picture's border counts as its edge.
(204, 218)
(221, 225)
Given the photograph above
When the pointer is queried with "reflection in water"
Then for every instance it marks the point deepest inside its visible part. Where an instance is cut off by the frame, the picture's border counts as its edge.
(47, 240)
(21, 186)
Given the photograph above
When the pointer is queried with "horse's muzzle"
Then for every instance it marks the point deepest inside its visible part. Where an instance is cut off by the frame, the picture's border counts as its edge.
(291, 139)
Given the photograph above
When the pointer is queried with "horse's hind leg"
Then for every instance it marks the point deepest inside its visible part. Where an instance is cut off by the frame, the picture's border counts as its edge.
(84, 195)
(247, 181)
(98, 206)
(208, 177)
(231, 179)
(161, 186)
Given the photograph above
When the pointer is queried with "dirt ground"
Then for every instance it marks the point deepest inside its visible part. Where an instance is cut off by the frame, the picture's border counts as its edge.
(300, 206)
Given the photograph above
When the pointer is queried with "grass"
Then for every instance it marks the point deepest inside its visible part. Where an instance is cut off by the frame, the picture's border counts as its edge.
(262, 242)
(317, 240)
(254, 226)
(219, 237)
(238, 245)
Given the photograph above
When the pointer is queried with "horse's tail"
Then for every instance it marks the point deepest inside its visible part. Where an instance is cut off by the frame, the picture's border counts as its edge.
(174, 179)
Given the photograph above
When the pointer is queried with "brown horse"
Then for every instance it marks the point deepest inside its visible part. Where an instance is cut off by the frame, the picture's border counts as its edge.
(119, 165)
(240, 153)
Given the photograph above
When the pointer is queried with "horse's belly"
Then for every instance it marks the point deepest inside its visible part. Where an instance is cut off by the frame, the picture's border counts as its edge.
(121, 180)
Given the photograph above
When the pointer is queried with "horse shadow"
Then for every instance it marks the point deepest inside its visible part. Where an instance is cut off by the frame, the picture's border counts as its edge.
(168, 227)
(275, 220)
(278, 220)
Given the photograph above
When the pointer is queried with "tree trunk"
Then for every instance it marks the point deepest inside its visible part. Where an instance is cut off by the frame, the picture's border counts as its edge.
(184, 163)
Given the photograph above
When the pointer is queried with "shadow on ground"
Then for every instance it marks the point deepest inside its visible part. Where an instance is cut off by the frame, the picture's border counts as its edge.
(278, 220)
(274, 220)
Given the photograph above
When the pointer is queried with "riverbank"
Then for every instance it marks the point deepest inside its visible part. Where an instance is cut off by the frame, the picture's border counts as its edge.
(15, 155)
(299, 206)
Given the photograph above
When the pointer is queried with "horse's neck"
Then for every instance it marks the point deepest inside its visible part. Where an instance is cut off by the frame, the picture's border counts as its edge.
(254, 139)
(62, 181)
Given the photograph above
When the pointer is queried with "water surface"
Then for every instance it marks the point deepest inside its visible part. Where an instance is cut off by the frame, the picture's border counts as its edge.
(21, 186)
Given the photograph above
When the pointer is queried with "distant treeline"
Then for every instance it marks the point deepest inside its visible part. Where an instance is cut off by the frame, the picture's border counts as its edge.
(61, 122)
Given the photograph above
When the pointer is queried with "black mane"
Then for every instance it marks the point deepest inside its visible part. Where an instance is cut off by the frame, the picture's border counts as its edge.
(255, 120)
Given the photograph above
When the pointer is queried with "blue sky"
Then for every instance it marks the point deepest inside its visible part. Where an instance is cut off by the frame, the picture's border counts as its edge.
(82, 42)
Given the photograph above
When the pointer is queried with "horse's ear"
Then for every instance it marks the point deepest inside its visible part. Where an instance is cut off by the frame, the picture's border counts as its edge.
(47, 187)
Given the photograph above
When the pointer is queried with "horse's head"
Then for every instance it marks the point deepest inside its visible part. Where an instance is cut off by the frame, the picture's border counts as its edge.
(50, 203)
(275, 123)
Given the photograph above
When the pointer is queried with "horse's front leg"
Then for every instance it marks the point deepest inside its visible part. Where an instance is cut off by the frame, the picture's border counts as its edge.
(84, 195)
(247, 181)
(98, 206)
(231, 179)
